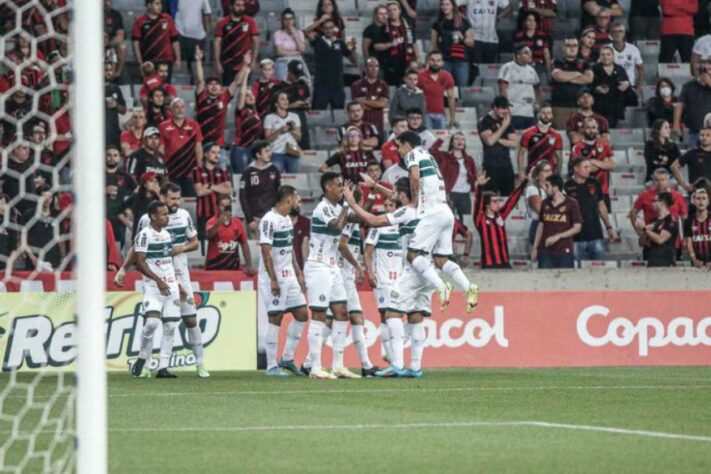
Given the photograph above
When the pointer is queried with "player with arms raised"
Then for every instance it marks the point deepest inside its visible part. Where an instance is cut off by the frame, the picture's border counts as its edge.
(281, 281)
(324, 282)
(161, 296)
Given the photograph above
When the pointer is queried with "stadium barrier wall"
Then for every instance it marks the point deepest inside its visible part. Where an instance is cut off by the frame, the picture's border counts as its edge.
(557, 329)
(31, 339)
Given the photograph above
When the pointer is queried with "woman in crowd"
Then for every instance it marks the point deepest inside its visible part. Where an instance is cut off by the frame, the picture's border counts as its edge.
(328, 10)
(398, 46)
(661, 106)
(587, 46)
(535, 194)
(609, 85)
(374, 31)
(529, 34)
(459, 172)
(660, 151)
(452, 34)
(351, 157)
(282, 129)
(289, 44)
(156, 109)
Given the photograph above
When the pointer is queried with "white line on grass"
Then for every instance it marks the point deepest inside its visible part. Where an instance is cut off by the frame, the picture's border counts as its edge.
(465, 424)
(419, 390)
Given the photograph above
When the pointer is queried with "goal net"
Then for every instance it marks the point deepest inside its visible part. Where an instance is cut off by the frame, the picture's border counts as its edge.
(43, 211)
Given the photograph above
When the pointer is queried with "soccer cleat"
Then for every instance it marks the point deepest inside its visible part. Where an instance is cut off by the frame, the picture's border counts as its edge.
(472, 297)
(344, 373)
(445, 295)
(386, 358)
(137, 368)
(145, 374)
(369, 372)
(165, 374)
(305, 370)
(202, 372)
(290, 366)
(413, 374)
(275, 372)
(321, 374)
(390, 372)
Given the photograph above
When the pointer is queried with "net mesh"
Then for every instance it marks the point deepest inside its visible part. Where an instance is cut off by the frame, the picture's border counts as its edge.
(37, 336)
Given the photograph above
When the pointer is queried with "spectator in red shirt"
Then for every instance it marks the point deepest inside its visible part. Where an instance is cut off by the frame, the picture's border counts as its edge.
(155, 37)
(677, 30)
(248, 124)
(209, 182)
(560, 221)
(388, 152)
(235, 35)
(459, 173)
(436, 83)
(155, 76)
(372, 93)
(599, 153)
(226, 236)
(251, 7)
(133, 133)
(540, 143)
(574, 123)
(645, 200)
(182, 146)
(211, 101)
(370, 193)
(352, 157)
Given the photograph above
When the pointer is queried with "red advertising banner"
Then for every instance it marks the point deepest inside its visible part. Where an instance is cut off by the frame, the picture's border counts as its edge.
(556, 329)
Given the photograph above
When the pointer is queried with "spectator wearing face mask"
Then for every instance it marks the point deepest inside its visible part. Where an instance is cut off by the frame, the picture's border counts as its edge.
(661, 106)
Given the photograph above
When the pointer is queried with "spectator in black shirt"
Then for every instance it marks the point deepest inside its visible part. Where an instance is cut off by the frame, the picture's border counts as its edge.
(352, 157)
(697, 231)
(568, 76)
(122, 179)
(137, 205)
(8, 235)
(258, 186)
(589, 243)
(610, 83)
(148, 157)
(661, 106)
(20, 171)
(373, 31)
(115, 199)
(328, 56)
(698, 160)
(41, 242)
(157, 110)
(115, 105)
(114, 28)
(660, 151)
(593, 8)
(660, 235)
(694, 103)
(498, 137)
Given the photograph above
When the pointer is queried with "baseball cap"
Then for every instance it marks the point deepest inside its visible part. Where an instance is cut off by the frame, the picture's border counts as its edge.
(296, 68)
(501, 102)
(582, 92)
(150, 131)
(148, 176)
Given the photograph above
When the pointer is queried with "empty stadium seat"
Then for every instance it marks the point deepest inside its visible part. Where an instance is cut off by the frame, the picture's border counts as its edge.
(475, 96)
(620, 204)
(320, 117)
(680, 73)
(299, 180)
(627, 137)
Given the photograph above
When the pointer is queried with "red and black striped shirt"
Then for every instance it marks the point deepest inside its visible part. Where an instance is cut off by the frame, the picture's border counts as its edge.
(207, 206)
(492, 230)
(248, 127)
(372, 91)
(263, 93)
(223, 248)
(155, 37)
(352, 163)
(545, 25)
(599, 150)
(237, 39)
(700, 234)
(211, 114)
(541, 146)
(179, 142)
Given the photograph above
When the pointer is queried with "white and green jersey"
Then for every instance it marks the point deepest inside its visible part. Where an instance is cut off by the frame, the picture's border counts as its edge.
(278, 231)
(432, 193)
(158, 247)
(406, 219)
(388, 253)
(181, 229)
(352, 231)
(323, 243)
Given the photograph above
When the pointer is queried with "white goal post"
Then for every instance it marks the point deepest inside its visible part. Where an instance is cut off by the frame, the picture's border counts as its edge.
(89, 229)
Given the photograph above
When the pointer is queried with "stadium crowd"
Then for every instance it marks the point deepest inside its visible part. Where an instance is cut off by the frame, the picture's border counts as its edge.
(530, 108)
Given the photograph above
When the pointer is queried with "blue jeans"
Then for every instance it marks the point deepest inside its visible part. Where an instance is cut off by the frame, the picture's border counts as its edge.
(554, 260)
(590, 250)
(436, 121)
(239, 159)
(286, 163)
(459, 70)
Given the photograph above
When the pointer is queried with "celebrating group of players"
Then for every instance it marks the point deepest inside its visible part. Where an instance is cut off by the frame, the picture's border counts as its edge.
(403, 250)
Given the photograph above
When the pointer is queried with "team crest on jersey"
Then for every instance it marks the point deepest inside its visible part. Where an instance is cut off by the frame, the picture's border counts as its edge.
(499, 221)
(562, 209)
(551, 140)
(245, 27)
(539, 42)
(534, 139)
(220, 105)
(164, 24)
(275, 301)
(599, 149)
(322, 298)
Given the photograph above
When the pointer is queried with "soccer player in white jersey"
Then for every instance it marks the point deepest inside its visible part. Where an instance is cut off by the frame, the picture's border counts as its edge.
(161, 296)
(433, 233)
(411, 294)
(182, 231)
(324, 282)
(281, 282)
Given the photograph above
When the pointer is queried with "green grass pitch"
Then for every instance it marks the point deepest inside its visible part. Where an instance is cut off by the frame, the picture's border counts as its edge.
(464, 420)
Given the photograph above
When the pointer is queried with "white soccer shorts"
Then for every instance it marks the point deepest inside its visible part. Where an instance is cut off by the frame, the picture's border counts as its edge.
(167, 306)
(352, 296)
(382, 295)
(290, 296)
(433, 233)
(187, 307)
(324, 285)
(411, 294)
